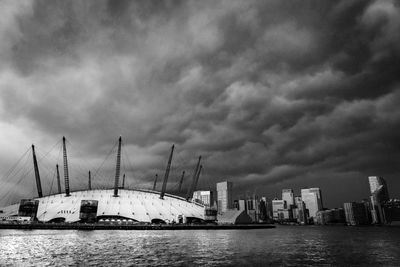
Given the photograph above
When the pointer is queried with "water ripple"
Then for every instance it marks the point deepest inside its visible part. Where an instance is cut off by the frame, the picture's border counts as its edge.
(288, 246)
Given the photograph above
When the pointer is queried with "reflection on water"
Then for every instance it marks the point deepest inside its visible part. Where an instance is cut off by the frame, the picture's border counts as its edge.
(285, 245)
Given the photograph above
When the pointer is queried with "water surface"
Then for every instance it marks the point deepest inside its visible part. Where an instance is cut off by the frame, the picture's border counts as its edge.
(284, 245)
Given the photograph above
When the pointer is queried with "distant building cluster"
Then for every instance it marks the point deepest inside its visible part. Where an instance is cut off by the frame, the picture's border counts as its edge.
(306, 208)
(378, 209)
(301, 209)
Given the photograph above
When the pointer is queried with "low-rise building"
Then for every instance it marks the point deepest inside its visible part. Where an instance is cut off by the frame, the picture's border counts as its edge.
(391, 211)
(356, 213)
(203, 197)
(331, 216)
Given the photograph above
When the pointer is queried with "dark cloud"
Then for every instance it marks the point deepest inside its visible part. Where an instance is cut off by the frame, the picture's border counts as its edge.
(273, 94)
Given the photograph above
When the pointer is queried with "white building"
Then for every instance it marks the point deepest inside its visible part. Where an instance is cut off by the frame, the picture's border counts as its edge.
(203, 197)
(135, 205)
(278, 206)
(313, 200)
(288, 196)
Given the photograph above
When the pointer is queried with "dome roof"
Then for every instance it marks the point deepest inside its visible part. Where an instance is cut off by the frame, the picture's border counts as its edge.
(137, 205)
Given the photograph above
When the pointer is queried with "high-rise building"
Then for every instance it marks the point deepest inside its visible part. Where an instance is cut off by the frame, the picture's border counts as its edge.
(204, 197)
(278, 205)
(266, 209)
(253, 209)
(288, 196)
(300, 211)
(379, 195)
(378, 184)
(224, 196)
(312, 198)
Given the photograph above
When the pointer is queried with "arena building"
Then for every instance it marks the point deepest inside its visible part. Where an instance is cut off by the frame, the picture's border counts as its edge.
(101, 205)
(109, 205)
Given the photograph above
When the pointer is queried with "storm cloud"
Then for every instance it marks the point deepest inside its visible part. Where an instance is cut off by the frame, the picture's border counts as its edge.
(272, 94)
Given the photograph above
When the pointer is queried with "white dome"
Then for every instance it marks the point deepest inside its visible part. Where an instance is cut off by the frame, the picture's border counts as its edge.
(138, 205)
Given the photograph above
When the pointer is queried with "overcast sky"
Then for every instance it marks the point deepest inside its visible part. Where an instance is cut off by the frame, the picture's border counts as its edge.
(273, 94)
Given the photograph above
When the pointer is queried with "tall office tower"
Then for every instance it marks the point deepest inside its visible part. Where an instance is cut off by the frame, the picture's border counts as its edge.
(268, 207)
(299, 213)
(378, 187)
(253, 209)
(288, 196)
(224, 196)
(278, 205)
(263, 209)
(298, 201)
(379, 195)
(312, 198)
(204, 197)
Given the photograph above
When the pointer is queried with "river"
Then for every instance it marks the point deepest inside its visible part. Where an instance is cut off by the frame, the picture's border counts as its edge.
(284, 245)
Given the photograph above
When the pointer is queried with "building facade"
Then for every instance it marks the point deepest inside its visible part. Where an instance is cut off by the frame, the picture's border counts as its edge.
(391, 210)
(224, 196)
(377, 183)
(265, 207)
(278, 205)
(332, 216)
(203, 197)
(300, 212)
(312, 198)
(288, 196)
(356, 213)
(100, 205)
(379, 195)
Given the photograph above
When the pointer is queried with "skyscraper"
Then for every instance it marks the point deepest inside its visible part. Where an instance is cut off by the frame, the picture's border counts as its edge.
(300, 212)
(278, 206)
(288, 196)
(312, 198)
(379, 195)
(224, 196)
(378, 187)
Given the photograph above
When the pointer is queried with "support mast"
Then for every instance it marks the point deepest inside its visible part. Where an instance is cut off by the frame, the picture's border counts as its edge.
(118, 168)
(155, 182)
(197, 179)
(180, 182)
(58, 179)
(164, 186)
(37, 175)
(123, 181)
(66, 175)
(90, 181)
(190, 189)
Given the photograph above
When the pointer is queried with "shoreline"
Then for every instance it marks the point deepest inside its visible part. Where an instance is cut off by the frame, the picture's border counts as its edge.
(80, 226)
